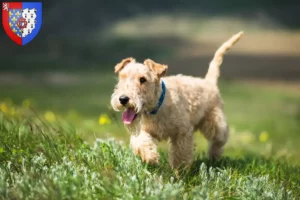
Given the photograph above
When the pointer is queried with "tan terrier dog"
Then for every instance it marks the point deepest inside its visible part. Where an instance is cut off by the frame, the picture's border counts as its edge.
(171, 108)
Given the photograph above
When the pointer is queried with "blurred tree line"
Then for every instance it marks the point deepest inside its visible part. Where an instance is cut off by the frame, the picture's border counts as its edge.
(68, 24)
(76, 15)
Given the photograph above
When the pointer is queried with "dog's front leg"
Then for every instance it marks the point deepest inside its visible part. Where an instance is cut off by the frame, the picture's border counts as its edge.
(145, 146)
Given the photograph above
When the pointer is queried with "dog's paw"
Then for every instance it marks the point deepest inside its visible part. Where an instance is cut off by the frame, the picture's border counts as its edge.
(215, 152)
(147, 155)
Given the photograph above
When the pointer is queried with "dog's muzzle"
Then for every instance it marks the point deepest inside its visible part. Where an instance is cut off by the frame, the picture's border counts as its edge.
(123, 100)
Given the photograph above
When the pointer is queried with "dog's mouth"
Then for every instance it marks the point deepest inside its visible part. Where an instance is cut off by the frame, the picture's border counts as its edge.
(128, 116)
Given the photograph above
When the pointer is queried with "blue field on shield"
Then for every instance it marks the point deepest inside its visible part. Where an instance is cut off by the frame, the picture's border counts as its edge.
(38, 7)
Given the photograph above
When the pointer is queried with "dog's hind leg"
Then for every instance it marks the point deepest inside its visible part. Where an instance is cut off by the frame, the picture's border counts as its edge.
(216, 131)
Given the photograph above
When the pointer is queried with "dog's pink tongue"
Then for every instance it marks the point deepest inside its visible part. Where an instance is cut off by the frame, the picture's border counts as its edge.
(128, 116)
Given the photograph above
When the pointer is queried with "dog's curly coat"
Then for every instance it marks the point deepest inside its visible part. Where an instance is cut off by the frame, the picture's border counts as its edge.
(190, 104)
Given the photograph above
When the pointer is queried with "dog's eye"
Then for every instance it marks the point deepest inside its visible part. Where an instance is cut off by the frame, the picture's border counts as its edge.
(142, 80)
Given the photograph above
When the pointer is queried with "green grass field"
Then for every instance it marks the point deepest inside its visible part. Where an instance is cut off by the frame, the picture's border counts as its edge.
(62, 141)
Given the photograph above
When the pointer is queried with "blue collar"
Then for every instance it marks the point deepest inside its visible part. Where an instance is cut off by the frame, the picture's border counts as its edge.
(161, 98)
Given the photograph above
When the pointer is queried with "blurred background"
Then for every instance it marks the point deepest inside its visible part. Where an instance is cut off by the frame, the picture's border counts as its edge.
(66, 73)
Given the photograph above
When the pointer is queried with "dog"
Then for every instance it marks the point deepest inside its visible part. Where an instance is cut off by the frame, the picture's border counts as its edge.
(159, 107)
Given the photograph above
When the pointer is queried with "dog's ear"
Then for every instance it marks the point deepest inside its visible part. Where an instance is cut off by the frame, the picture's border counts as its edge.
(123, 63)
(159, 69)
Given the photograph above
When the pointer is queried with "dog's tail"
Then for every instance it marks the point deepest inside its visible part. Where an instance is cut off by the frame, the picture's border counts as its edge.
(213, 70)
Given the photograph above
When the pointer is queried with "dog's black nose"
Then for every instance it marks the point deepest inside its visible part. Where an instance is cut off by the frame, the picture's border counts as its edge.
(124, 99)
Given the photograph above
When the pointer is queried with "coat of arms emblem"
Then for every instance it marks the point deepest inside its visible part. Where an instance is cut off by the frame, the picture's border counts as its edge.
(22, 20)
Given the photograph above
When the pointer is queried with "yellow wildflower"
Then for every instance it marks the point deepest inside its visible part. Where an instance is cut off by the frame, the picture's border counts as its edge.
(73, 114)
(104, 119)
(12, 111)
(8, 101)
(3, 107)
(247, 137)
(26, 103)
(49, 116)
(264, 136)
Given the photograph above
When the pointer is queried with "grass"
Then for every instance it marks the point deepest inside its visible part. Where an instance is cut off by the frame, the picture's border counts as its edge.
(43, 161)
(64, 142)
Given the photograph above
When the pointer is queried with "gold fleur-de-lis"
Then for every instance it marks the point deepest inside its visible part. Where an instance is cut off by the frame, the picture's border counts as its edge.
(14, 30)
(10, 13)
(14, 19)
(18, 13)
(10, 24)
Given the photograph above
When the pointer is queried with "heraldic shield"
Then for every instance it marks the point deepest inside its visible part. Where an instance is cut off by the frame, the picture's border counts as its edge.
(22, 20)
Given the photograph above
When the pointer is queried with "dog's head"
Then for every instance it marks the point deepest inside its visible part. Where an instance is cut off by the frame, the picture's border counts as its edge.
(138, 88)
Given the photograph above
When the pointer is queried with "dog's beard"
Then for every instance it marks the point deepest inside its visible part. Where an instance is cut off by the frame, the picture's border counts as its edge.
(138, 107)
(115, 103)
(136, 104)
